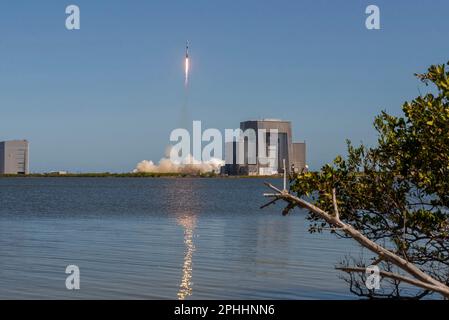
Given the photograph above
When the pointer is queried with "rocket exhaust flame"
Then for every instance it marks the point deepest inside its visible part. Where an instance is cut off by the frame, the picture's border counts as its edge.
(187, 71)
(187, 64)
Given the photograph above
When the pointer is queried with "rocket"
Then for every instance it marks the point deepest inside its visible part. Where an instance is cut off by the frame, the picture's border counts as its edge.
(187, 49)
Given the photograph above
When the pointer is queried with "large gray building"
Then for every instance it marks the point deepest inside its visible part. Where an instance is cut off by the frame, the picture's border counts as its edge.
(14, 157)
(294, 154)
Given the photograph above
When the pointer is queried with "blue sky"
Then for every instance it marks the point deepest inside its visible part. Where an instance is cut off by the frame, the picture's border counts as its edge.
(107, 96)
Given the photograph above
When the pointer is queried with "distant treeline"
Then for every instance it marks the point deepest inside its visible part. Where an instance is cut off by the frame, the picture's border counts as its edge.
(123, 175)
(105, 175)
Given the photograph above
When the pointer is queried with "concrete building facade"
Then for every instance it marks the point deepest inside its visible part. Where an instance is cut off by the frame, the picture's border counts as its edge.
(284, 148)
(14, 157)
(299, 156)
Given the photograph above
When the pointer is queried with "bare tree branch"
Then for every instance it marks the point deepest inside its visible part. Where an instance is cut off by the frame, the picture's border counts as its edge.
(422, 279)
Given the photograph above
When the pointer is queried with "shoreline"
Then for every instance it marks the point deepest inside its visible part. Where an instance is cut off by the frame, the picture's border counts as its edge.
(132, 175)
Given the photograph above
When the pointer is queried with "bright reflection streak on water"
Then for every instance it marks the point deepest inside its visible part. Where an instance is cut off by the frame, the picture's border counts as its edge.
(185, 288)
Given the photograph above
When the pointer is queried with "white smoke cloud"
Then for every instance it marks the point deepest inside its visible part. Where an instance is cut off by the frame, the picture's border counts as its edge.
(188, 166)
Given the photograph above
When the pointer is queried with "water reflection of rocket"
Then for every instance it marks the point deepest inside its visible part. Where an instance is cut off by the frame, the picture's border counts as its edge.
(188, 222)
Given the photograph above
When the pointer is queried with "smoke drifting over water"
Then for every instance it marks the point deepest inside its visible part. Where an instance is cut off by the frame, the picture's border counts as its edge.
(188, 166)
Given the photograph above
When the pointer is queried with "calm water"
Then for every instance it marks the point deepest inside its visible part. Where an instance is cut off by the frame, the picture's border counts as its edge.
(160, 238)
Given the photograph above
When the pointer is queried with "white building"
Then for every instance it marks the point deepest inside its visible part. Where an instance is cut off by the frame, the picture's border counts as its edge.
(14, 157)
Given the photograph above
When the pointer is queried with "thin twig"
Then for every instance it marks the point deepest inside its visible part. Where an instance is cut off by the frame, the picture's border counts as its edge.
(394, 276)
(269, 203)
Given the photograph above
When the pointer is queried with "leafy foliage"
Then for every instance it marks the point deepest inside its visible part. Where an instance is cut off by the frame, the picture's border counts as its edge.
(398, 191)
